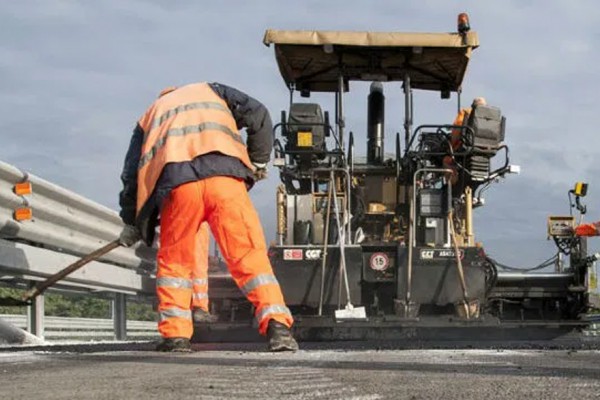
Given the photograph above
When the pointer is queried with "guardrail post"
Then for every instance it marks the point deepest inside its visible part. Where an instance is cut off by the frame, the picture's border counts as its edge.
(35, 316)
(119, 314)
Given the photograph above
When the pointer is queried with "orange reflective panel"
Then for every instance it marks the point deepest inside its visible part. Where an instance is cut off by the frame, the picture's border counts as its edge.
(22, 188)
(23, 214)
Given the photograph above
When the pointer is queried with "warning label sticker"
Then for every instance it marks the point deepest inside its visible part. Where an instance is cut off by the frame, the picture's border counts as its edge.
(292, 254)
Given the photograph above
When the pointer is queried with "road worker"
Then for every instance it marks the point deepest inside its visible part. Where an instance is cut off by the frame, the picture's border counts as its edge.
(187, 161)
(456, 135)
(461, 119)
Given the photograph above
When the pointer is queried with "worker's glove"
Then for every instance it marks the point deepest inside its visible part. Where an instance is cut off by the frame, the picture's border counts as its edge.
(130, 235)
(260, 171)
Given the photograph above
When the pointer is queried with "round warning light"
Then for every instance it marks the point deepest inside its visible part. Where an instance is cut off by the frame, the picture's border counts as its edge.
(463, 23)
(379, 261)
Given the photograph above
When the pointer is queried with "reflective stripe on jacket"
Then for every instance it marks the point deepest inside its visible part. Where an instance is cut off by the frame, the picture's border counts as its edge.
(182, 125)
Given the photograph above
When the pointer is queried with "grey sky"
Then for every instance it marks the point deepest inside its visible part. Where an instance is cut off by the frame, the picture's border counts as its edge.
(75, 76)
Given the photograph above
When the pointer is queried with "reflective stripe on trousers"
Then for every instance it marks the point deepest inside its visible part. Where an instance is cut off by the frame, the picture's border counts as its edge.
(265, 312)
(174, 313)
(261, 286)
(201, 296)
(259, 280)
(174, 295)
(166, 281)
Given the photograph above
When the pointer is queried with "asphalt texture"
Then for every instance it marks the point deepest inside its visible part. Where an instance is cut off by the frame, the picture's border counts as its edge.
(351, 370)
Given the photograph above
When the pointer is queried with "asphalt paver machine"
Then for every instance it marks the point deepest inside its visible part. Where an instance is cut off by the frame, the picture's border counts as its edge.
(386, 242)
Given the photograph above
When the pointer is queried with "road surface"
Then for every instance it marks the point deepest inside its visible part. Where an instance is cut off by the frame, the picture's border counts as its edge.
(319, 371)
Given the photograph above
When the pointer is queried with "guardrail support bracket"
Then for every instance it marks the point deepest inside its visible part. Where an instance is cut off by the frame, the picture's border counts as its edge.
(35, 317)
(119, 314)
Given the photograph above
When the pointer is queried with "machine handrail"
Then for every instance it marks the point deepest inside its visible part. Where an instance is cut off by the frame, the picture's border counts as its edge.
(438, 127)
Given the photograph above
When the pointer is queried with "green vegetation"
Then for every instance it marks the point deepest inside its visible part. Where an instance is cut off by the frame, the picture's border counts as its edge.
(79, 305)
(140, 312)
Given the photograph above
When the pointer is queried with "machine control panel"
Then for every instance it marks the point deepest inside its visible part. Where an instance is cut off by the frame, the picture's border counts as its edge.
(561, 226)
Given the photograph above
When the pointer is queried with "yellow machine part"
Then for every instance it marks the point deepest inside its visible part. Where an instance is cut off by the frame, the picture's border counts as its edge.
(580, 189)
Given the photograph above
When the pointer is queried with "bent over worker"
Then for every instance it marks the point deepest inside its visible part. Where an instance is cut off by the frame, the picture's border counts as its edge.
(188, 162)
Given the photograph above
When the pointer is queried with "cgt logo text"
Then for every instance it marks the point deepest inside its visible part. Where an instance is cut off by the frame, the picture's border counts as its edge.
(299, 254)
(313, 254)
(440, 253)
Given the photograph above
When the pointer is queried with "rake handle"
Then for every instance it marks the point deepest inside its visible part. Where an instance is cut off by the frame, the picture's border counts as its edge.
(41, 287)
(459, 266)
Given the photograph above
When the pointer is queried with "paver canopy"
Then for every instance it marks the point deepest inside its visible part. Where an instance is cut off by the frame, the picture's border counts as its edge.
(314, 60)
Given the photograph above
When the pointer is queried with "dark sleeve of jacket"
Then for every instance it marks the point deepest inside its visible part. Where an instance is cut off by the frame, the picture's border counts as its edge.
(251, 114)
(128, 196)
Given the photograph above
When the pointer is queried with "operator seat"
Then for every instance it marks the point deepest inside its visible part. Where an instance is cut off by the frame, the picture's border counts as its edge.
(488, 125)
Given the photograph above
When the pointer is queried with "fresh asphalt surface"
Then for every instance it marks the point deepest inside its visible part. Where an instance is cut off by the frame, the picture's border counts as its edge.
(350, 370)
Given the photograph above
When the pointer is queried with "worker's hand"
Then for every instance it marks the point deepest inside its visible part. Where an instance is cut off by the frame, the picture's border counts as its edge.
(260, 171)
(260, 174)
(130, 235)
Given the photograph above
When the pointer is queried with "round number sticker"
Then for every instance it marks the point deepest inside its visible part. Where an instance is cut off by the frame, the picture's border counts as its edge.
(379, 261)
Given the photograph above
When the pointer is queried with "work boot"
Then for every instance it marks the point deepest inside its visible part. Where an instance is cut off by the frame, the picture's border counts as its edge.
(201, 316)
(280, 337)
(175, 345)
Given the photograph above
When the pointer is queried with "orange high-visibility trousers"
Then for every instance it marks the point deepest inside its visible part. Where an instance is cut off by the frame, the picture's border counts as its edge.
(200, 271)
(224, 203)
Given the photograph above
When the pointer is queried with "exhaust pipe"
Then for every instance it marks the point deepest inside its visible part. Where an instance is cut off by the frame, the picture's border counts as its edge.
(375, 123)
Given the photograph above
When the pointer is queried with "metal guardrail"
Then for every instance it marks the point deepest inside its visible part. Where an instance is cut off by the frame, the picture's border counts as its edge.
(90, 328)
(56, 228)
(28, 263)
(63, 227)
(62, 220)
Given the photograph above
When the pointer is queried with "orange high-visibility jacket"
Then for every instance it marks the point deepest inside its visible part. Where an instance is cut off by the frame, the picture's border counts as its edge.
(182, 125)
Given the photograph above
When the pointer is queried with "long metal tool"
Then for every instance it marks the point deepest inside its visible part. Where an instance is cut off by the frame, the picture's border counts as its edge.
(325, 244)
(349, 312)
(409, 265)
(461, 274)
(341, 241)
(42, 286)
